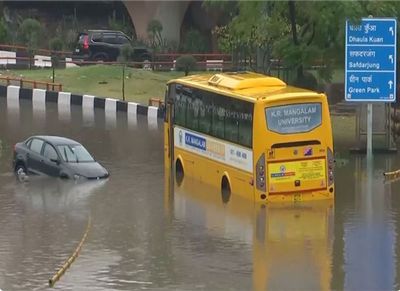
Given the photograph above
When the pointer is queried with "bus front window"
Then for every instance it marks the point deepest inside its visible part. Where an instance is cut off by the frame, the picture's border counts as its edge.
(294, 118)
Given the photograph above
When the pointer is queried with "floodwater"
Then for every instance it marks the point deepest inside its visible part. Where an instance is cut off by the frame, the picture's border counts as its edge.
(143, 235)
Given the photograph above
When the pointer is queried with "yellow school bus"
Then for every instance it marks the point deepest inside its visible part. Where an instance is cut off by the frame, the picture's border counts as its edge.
(250, 134)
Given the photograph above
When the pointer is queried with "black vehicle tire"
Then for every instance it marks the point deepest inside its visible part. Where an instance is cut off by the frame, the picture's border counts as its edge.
(20, 172)
(64, 176)
(225, 190)
(179, 172)
(100, 57)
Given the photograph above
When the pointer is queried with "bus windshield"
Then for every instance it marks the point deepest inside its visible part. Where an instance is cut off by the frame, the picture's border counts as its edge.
(294, 118)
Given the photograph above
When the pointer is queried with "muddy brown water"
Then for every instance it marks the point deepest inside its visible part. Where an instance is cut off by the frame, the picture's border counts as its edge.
(144, 236)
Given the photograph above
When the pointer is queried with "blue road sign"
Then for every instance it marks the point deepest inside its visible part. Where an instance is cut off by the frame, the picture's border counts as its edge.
(370, 69)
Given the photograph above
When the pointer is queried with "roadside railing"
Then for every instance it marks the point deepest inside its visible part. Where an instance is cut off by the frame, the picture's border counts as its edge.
(50, 86)
(25, 48)
(157, 102)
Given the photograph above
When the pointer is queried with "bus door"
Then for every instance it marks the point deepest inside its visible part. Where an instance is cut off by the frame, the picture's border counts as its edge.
(169, 127)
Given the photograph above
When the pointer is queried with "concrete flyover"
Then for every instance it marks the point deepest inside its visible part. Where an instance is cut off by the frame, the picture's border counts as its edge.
(169, 13)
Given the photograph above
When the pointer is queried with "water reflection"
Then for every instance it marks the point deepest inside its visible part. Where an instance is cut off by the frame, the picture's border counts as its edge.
(290, 244)
(50, 195)
(369, 230)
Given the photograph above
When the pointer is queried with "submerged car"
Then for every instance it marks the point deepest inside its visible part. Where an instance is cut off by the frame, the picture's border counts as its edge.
(56, 156)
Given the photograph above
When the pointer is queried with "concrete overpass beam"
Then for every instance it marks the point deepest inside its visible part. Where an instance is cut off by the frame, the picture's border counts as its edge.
(169, 13)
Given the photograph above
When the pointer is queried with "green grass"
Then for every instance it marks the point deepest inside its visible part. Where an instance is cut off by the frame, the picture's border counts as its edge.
(104, 81)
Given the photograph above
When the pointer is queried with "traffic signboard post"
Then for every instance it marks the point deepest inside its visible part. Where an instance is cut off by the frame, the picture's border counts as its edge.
(370, 68)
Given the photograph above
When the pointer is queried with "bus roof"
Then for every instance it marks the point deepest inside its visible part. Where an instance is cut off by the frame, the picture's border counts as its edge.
(246, 85)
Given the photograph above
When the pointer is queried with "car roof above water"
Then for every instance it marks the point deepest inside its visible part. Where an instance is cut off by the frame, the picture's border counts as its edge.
(56, 140)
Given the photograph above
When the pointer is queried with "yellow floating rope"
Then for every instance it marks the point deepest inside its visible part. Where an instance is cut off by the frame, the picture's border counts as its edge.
(72, 258)
(392, 175)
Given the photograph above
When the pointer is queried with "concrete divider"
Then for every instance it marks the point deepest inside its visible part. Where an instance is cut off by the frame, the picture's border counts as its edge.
(39, 98)
(64, 106)
(88, 101)
(110, 105)
(13, 102)
(152, 113)
(65, 100)
(12, 92)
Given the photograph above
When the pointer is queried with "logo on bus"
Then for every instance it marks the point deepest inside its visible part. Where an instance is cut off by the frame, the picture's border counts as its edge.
(195, 141)
(180, 137)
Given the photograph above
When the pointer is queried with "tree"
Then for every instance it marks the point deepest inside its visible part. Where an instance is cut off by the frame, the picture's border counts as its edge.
(30, 33)
(186, 63)
(3, 31)
(194, 42)
(299, 33)
(56, 45)
(154, 29)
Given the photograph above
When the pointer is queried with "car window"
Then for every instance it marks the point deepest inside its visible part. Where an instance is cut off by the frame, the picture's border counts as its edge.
(28, 143)
(49, 152)
(123, 39)
(110, 38)
(36, 145)
(96, 37)
(74, 154)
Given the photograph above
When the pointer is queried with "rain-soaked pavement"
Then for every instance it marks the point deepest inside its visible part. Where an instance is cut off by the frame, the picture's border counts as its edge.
(144, 237)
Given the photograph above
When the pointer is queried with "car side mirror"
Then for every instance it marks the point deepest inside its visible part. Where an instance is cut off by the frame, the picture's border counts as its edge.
(57, 161)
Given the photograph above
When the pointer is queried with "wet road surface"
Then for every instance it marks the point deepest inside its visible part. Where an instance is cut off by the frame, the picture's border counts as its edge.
(144, 236)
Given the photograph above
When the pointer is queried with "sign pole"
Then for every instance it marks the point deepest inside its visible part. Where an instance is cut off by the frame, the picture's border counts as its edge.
(369, 130)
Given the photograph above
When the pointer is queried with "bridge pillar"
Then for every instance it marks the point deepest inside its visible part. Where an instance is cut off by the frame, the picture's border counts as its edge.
(169, 13)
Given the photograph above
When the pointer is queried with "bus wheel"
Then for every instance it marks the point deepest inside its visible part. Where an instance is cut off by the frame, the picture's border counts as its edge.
(225, 190)
(179, 173)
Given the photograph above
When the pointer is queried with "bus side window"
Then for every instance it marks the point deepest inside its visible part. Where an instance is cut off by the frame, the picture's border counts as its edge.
(192, 112)
(180, 108)
(231, 121)
(205, 113)
(246, 124)
(218, 116)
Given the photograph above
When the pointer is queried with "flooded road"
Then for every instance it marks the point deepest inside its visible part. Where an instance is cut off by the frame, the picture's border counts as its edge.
(144, 236)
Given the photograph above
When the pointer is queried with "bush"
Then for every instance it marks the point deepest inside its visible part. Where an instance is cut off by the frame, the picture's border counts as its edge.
(30, 31)
(55, 44)
(186, 63)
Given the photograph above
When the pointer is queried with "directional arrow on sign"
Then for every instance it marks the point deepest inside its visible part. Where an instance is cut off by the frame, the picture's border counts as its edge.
(370, 60)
